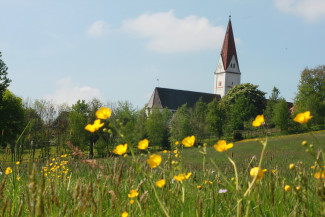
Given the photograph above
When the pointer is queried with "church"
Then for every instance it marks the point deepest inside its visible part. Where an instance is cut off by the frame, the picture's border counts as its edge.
(226, 76)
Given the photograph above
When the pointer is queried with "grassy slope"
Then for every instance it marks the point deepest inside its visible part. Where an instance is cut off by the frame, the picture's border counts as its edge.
(281, 151)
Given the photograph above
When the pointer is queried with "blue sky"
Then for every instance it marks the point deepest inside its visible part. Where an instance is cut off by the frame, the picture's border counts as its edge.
(116, 50)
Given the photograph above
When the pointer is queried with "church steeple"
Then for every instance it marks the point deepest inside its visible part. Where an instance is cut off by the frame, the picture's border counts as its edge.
(227, 74)
(228, 48)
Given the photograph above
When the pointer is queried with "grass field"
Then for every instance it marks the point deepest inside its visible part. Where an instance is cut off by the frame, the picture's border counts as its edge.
(74, 186)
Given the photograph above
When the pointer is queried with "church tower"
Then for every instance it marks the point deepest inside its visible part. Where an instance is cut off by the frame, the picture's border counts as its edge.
(227, 74)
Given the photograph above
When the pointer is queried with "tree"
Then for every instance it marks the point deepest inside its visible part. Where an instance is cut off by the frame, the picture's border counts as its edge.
(124, 116)
(4, 80)
(254, 96)
(198, 120)
(216, 117)
(78, 119)
(180, 124)
(35, 132)
(12, 123)
(157, 128)
(93, 106)
(61, 126)
(273, 99)
(281, 115)
(140, 130)
(46, 110)
(311, 94)
(240, 111)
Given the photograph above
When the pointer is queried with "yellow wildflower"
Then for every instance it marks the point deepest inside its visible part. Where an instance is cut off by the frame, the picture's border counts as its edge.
(318, 175)
(143, 144)
(222, 146)
(199, 187)
(120, 149)
(273, 171)
(131, 201)
(17, 163)
(182, 177)
(18, 178)
(165, 151)
(298, 188)
(259, 120)
(303, 117)
(188, 141)
(53, 159)
(154, 160)
(133, 193)
(177, 143)
(291, 166)
(103, 113)
(95, 126)
(257, 172)
(161, 183)
(287, 188)
(8, 171)
(125, 214)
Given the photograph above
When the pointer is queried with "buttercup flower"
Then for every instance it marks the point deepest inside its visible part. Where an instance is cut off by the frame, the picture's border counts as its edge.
(161, 183)
(143, 144)
(177, 143)
(222, 146)
(182, 177)
(259, 120)
(133, 193)
(17, 163)
(188, 141)
(120, 149)
(154, 160)
(95, 126)
(199, 187)
(125, 214)
(8, 171)
(303, 117)
(291, 166)
(287, 188)
(131, 201)
(298, 188)
(318, 175)
(257, 172)
(103, 113)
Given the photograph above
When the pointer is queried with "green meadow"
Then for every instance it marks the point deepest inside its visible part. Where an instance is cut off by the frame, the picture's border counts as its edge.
(72, 185)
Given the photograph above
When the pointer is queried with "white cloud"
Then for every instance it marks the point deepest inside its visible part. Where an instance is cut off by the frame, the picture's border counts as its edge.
(168, 33)
(311, 10)
(98, 29)
(68, 92)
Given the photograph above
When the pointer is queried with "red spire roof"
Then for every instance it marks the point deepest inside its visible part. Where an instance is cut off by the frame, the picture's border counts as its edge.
(228, 47)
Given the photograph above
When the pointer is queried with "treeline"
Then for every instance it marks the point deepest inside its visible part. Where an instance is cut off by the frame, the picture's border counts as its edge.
(41, 127)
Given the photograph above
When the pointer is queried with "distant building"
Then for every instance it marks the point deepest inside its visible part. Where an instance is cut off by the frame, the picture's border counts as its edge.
(226, 76)
(173, 99)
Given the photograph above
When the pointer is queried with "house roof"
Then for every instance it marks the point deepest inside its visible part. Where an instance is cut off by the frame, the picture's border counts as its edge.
(173, 99)
(228, 48)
